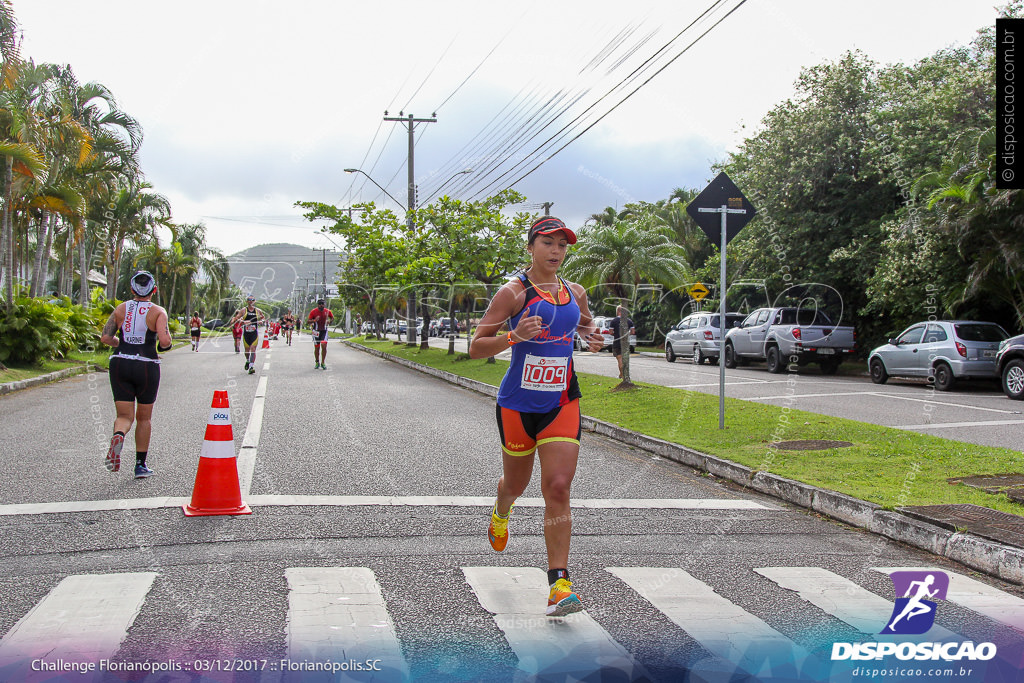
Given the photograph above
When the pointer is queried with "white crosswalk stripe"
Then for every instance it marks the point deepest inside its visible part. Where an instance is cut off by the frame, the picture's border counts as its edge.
(722, 627)
(517, 596)
(338, 614)
(843, 599)
(997, 605)
(85, 618)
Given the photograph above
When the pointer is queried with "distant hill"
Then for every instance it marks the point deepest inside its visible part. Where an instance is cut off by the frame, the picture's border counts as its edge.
(276, 271)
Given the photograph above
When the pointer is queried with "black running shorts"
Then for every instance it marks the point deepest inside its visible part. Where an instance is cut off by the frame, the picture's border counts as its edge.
(134, 380)
(250, 338)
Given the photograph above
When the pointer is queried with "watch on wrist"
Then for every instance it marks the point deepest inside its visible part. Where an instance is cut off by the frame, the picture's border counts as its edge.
(511, 341)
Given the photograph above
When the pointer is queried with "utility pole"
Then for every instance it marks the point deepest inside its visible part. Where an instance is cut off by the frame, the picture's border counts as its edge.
(410, 125)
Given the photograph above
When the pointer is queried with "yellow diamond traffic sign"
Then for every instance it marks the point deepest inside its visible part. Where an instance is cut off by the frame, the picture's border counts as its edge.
(697, 292)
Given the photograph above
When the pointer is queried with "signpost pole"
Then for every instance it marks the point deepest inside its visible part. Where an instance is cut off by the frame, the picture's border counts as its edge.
(722, 328)
(718, 197)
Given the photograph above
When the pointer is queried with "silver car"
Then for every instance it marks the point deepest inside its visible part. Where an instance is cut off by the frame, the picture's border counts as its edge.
(697, 336)
(943, 351)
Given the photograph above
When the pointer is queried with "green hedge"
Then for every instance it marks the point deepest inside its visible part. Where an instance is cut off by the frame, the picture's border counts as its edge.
(36, 330)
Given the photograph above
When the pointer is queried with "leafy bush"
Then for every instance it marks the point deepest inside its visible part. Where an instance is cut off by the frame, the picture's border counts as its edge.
(36, 330)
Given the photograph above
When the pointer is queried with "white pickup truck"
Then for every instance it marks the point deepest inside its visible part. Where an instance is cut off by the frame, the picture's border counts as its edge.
(780, 336)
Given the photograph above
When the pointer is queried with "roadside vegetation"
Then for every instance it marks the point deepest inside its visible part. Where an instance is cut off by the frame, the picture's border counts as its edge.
(891, 467)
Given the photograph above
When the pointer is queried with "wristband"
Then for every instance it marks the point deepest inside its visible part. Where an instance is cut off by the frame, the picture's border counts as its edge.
(511, 342)
(164, 349)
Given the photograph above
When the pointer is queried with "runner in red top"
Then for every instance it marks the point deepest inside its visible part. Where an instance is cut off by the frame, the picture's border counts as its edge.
(236, 332)
(318, 318)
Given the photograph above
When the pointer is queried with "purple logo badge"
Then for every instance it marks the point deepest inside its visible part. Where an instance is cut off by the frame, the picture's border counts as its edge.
(914, 611)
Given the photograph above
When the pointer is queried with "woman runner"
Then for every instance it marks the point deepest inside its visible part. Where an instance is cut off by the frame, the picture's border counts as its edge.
(195, 326)
(135, 368)
(250, 317)
(538, 401)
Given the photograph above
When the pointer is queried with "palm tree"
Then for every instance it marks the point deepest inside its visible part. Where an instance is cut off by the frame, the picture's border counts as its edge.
(624, 255)
(21, 95)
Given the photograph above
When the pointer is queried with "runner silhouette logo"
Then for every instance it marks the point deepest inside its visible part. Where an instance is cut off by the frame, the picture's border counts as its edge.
(914, 613)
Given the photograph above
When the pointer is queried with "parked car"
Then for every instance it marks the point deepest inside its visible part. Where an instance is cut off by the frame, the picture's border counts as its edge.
(698, 336)
(943, 350)
(390, 326)
(367, 327)
(210, 324)
(1010, 366)
(781, 335)
(604, 328)
(446, 326)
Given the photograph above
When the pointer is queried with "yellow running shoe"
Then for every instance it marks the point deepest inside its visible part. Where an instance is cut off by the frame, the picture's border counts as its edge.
(497, 531)
(561, 600)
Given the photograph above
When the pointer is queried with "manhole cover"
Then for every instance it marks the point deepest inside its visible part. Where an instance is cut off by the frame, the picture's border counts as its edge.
(999, 526)
(810, 445)
(991, 483)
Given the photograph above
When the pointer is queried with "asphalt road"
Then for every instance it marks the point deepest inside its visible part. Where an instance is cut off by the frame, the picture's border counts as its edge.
(679, 572)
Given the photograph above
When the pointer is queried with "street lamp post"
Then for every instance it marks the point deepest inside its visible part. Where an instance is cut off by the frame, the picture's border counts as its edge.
(411, 305)
(437, 192)
(359, 170)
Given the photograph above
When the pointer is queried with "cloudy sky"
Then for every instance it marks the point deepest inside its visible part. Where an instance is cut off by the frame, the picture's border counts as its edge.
(249, 106)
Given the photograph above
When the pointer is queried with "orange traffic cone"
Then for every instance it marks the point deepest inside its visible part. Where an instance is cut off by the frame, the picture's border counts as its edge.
(216, 491)
(266, 341)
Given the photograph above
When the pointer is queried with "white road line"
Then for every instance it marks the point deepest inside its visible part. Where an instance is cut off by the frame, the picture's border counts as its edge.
(338, 614)
(954, 425)
(830, 394)
(944, 403)
(976, 596)
(550, 647)
(85, 618)
(722, 627)
(845, 600)
(385, 501)
(251, 441)
(712, 384)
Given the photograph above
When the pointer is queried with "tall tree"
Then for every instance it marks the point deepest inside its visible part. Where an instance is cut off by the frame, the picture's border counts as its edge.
(622, 256)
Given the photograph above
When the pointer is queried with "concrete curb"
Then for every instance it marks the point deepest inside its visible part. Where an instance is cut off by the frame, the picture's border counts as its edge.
(985, 555)
(11, 387)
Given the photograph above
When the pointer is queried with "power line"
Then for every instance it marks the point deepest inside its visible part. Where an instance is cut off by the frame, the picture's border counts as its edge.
(633, 75)
(681, 53)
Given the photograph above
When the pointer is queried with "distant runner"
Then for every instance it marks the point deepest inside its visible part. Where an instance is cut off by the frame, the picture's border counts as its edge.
(195, 327)
(135, 368)
(318, 318)
(250, 317)
(236, 332)
(289, 324)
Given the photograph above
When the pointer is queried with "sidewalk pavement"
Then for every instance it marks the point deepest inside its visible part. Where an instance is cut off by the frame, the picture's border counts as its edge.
(953, 541)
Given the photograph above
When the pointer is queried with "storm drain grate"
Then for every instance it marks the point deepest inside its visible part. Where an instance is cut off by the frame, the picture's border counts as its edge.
(993, 524)
(809, 445)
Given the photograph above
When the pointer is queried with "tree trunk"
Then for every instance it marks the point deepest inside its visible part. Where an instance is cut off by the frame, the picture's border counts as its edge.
(425, 330)
(42, 236)
(455, 326)
(44, 268)
(83, 292)
(623, 333)
(8, 238)
(170, 300)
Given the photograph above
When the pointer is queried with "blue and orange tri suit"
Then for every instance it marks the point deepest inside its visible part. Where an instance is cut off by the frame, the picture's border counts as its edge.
(538, 400)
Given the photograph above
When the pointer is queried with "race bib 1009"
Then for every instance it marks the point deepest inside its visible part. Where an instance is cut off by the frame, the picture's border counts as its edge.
(542, 373)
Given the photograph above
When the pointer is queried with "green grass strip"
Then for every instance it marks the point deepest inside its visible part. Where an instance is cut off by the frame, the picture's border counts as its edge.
(891, 467)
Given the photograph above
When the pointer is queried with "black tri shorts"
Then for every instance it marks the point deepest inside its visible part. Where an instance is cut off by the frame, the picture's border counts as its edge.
(134, 380)
(250, 338)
